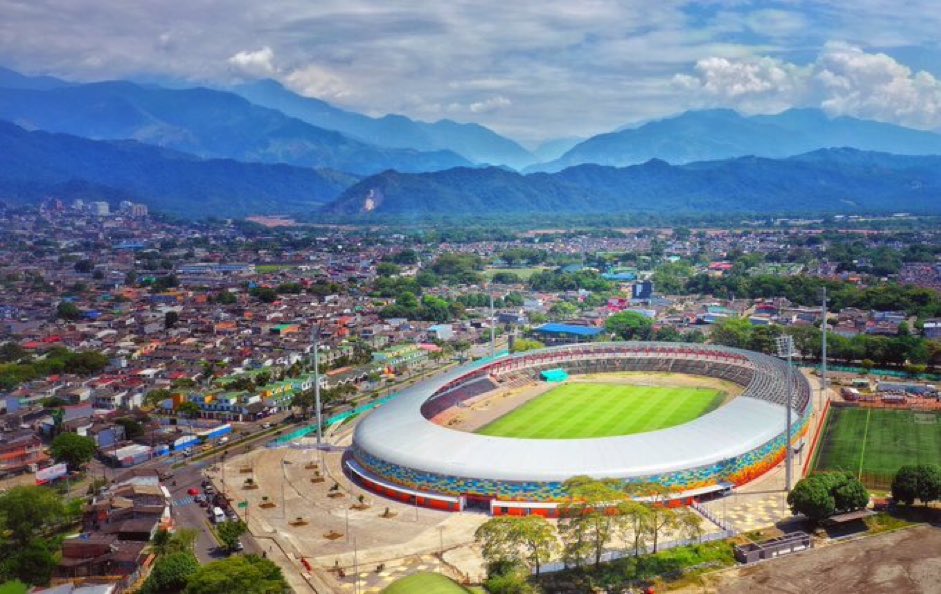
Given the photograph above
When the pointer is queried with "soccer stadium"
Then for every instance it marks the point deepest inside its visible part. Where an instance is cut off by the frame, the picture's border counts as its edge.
(504, 435)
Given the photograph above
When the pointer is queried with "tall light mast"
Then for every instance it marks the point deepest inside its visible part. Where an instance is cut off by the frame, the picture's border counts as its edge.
(315, 345)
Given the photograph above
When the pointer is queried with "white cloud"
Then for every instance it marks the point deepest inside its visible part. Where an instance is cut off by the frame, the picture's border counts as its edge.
(843, 80)
(258, 63)
(490, 104)
(315, 81)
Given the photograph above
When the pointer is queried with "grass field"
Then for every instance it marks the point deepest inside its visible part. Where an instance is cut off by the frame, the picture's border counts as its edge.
(582, 410)
(874, 443)
(523, 273)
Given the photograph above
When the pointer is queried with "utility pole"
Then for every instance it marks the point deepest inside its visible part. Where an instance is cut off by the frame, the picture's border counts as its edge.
(315, 344)
(823, 350)
(493, 333)
(785, 346)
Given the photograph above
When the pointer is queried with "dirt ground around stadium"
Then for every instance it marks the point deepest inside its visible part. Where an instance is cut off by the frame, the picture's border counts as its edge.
(503, 400)
(904, 561)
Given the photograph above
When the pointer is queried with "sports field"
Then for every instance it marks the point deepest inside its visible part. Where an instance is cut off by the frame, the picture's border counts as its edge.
(586, 410)
(874, 443)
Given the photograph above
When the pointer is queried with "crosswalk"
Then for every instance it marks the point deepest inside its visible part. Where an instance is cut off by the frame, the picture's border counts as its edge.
(183, 502)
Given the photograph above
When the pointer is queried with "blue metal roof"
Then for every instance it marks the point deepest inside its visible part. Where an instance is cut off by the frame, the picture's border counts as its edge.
(568, 329)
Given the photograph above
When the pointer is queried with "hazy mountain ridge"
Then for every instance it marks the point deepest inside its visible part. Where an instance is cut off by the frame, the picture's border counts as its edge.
(35, 165)
(723, 134)
(827, 180)
(472, 141)
(206, 123)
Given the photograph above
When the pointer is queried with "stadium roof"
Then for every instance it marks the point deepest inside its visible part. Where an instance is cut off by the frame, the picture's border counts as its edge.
(568, 329)
(398, 433)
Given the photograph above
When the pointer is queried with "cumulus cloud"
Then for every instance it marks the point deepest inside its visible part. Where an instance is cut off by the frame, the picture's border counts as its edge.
(843, 80)
(257, 63)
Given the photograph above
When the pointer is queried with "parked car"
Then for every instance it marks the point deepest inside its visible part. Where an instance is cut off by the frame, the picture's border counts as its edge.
(232, 515)
(201, 500)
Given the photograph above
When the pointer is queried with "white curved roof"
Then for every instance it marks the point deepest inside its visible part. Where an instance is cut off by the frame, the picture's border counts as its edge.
(398, 433)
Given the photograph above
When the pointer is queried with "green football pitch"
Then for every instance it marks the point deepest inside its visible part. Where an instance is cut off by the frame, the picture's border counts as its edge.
(874, 443)
(583, 410)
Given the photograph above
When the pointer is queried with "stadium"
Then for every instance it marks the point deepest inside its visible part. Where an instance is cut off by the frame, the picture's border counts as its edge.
(503, 435)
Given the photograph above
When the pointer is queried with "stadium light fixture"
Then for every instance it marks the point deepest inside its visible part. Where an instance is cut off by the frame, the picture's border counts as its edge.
(786, 350)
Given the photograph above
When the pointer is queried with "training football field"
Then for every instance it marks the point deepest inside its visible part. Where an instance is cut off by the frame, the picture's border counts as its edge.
(874, 443)
(585, 410)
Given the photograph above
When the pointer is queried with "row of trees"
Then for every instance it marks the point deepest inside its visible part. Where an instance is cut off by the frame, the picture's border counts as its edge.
(178, 571)
(879, 351)
(594, 515)
(821, 495)
(57, 360)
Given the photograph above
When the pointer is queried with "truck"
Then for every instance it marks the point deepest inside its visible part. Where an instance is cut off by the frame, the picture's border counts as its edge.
(218, 516)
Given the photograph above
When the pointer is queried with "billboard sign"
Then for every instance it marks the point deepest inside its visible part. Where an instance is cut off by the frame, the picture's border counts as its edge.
(51, 473)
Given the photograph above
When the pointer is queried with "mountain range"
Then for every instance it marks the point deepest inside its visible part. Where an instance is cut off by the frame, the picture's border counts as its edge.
(259, 148)
(822, 181)
(205, 123)
(472, 141)
(35, 165)
(723, 134)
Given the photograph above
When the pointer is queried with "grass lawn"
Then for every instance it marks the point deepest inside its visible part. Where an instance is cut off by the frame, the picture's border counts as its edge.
(425, 583)
(272, 268)
(14, 587)
(874, 443)
(585, 410)
(523, 273)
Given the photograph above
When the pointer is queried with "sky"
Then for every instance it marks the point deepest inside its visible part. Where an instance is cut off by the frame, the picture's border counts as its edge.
(530, 70)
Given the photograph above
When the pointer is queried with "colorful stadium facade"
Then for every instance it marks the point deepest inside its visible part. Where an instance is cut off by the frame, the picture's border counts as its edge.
(399, 452)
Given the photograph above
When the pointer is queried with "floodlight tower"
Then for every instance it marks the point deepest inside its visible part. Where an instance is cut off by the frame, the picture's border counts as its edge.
(823, 349)
(315, 345)
(785, 346)
(493, 331)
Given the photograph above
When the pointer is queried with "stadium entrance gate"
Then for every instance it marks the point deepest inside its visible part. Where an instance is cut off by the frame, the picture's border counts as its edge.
(477, 503)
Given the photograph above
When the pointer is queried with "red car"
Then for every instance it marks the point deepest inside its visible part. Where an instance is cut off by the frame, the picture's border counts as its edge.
(192, 491)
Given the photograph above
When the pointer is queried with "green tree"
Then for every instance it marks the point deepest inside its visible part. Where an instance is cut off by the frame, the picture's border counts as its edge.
(171, 573)
(73, 449)
(229, 534)
(84, 266)
(387, 269)
(247, 574)
(189, 410)
(586, 522)
(32, 563)
(28, 510)
(629, 325)
(155, 397)
(170, 319)
(132, 429)
(917, 481)
(521, 345)
(819, 496)
(529, 539)
(67, 310)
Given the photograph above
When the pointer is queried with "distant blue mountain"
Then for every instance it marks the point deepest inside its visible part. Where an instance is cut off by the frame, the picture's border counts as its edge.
(723, 134)
(824, 181)
(473, 141)
(203, 122)
(11, 79)
(36, 165)
(551, 150)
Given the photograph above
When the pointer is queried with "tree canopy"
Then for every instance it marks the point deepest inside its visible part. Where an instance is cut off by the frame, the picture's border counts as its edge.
(917, 481)
(629, 325)
(73, 449)
(247, 574)
(819, 496)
